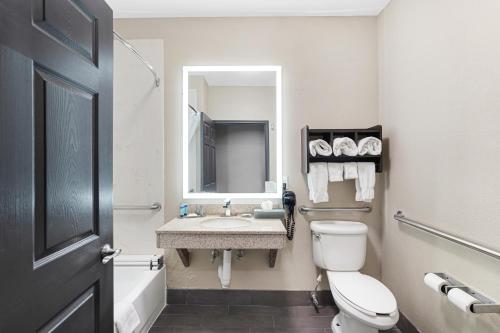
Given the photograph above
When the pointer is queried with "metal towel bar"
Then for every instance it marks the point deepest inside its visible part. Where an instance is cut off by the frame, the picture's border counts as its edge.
(155, 206)
(305, 210)
(399, 216)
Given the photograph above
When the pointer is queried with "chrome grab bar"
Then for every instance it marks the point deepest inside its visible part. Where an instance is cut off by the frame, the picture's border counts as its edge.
(155, 206)
(399, 216)
(305, 210)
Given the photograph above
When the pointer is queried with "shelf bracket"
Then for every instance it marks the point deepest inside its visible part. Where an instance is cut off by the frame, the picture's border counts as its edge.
(273, 253)
(184, 255)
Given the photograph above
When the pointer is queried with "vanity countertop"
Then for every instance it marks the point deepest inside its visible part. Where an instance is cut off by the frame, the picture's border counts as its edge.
(191, 233)
(195, 226)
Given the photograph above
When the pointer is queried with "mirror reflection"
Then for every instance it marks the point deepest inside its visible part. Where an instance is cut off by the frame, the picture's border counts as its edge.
(231, 131)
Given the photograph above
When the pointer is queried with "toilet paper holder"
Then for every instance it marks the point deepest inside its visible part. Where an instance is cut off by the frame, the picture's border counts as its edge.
(487, 305)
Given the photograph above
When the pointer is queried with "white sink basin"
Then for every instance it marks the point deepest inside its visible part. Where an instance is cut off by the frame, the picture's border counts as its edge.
(225, 223)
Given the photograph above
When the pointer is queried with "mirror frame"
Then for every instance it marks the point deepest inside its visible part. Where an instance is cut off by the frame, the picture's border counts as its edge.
(186, 70)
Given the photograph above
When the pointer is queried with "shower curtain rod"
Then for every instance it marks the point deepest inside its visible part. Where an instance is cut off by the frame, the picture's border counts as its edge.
(192, 108)
(138, 55)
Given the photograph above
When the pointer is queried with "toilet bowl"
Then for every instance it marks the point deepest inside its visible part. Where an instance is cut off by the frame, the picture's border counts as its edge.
(365, 304)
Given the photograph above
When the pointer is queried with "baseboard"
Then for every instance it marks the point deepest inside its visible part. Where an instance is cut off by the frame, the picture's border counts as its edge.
(405, 325)
(246, 297)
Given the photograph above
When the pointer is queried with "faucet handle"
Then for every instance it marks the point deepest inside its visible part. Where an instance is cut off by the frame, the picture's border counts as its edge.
(199, 210)
(227, 203)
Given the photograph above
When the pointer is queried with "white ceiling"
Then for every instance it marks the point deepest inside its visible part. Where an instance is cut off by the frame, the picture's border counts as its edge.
(235, 8)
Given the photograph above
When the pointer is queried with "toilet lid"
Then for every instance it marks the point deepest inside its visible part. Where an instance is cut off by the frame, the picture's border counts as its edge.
(364, 291)
(339, 227)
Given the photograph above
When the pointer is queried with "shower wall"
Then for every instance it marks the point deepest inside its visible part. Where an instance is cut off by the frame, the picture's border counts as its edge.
(138, 145)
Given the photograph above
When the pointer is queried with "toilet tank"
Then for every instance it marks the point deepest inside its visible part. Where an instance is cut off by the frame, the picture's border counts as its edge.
(339, 245)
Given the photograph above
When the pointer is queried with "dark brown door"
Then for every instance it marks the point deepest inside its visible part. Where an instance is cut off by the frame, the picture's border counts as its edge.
(208, 172)
(55, 165)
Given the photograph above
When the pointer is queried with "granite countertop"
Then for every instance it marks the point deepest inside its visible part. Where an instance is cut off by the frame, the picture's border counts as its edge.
(194, 226)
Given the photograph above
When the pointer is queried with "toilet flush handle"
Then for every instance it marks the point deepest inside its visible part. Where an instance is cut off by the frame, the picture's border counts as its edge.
(317, 236)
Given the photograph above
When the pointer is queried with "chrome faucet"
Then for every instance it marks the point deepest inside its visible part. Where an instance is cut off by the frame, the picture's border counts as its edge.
(227, 207)
(199, 211)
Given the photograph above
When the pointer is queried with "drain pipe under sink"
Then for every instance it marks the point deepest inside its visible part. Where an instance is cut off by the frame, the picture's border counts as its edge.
(225, 269)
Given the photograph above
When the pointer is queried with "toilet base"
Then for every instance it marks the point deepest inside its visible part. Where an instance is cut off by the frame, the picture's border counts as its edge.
(343, 323)
(336, 328)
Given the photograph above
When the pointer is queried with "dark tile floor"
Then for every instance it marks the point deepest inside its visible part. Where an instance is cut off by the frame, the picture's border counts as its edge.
(186, 318)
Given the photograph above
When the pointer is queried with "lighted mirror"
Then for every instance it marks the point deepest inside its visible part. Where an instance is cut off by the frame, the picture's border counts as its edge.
(232, 132)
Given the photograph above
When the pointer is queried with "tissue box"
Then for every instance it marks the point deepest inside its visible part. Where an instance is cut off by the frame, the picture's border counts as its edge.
(277, 213)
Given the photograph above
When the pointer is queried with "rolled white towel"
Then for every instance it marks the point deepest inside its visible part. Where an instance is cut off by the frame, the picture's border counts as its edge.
(365, 183)
(370, 145)
(345, 146)
(126, 317)
(320, 147)
(335, 172)
(317, 181)
(350, 170)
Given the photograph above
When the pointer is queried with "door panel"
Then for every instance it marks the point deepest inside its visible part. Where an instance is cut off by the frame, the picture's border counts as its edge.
(65, 118)
(16, 180)
(56, 169)
(69, 22)
(78, 316)
(208, 180)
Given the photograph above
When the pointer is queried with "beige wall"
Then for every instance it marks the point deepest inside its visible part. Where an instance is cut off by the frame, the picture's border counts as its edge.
(242, 103)
(199, 84)
(329, 80)
(440, 107)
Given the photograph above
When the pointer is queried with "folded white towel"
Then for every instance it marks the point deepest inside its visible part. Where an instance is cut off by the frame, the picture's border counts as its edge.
(370, 145)
(365, 183)
(320, 147)
(350, 170)
(126, 317)
(359, 196)
(317, 181)
(335, 172)
(345, 146)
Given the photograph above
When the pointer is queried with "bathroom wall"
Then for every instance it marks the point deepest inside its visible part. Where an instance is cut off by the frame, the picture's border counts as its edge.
(330, 79)
(198, 84)
(440, 107)
(242, 103)
(138, 146)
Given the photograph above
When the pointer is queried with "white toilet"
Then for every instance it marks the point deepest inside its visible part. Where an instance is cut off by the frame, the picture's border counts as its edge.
(365, 304)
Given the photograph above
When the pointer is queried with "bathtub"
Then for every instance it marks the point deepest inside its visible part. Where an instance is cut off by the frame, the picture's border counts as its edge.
(141, 280)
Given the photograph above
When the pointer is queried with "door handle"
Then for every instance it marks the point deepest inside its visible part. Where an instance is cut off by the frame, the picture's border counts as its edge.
(108, 253)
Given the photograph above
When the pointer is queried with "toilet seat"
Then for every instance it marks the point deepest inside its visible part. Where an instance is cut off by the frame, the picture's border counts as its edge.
(363, 292)
(364, 298)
